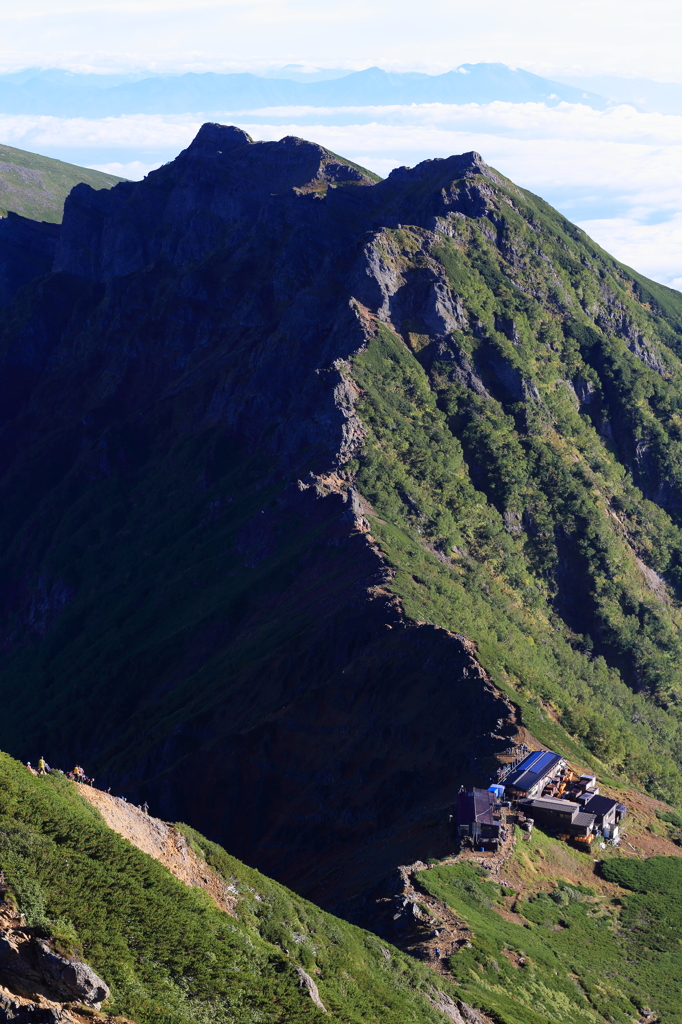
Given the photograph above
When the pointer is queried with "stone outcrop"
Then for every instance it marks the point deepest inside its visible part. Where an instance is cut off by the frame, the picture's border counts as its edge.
(16, 1010)
(456, 1010)
(35, 981)
(307, 982)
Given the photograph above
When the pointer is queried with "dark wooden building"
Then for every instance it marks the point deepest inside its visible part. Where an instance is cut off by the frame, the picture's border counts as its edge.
(478, 819)
(550, 812)
(582, 825)
(567, 817)
(607, 811)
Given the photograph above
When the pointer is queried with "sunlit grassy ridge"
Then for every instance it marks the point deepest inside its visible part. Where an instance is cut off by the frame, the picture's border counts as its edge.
(573, 955)
(164, 949)
(36, 186)
(528, 469)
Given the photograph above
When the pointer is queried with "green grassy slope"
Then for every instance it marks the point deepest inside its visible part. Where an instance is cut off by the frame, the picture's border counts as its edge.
(526, 472)
(571, 955)
(169, 956)
(36, 186)
(166, 952)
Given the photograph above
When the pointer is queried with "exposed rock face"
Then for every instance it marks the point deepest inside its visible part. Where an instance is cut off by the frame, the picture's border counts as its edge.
(23, 1011)
(164, 843)
(313, 991)
(27, 249)
(222, 182)
(457, 1011)
(31, 969)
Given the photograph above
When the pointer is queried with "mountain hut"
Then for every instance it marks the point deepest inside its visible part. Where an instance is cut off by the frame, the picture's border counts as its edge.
(532, 774)
(478, 819)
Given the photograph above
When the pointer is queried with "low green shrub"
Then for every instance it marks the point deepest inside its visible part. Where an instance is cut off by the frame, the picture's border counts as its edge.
(585, 958)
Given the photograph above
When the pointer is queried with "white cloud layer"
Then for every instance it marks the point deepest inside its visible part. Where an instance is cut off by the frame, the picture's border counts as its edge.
(653, 249)
(130, 132)
(617, 172)
(134, 170)
(617, 36)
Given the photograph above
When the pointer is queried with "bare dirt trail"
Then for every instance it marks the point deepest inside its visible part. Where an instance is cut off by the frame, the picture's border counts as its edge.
(448, 932)
(164, 843)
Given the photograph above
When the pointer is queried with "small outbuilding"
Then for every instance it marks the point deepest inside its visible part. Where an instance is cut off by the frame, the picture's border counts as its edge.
(550, 812)
(605, 810)
(581, 825)
(478, 817)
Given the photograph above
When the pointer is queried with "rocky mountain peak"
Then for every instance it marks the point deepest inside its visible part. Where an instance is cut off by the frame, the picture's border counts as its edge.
(222, 182)
(458, 166)
(235, 158)
(216, 139)
(284, 443)
(225, 182)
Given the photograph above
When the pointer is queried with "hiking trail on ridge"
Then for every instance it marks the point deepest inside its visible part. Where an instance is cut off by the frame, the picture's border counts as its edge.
(163, 842)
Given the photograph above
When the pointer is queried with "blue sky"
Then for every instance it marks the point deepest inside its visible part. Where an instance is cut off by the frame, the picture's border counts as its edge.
(616, 172)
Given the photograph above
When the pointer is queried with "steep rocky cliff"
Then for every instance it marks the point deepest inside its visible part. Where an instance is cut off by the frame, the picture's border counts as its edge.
(281, 446)
(27, 250)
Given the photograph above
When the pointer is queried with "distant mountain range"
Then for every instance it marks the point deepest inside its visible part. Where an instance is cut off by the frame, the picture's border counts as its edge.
(63, 94)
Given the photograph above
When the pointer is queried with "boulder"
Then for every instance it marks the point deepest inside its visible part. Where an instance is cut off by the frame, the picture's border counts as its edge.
(29, 966)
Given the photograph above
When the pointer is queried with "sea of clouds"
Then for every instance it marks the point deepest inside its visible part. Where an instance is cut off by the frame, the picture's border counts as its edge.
(617, 173)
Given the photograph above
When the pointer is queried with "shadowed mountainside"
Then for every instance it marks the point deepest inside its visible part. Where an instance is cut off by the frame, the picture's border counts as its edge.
(296, 465)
